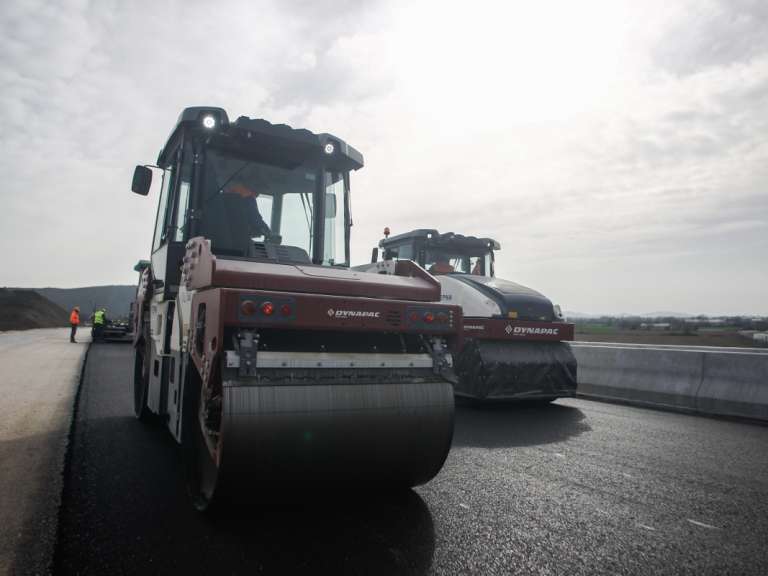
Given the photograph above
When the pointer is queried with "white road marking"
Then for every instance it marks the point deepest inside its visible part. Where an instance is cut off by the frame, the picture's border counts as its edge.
(702, 524)
(559, 455)
(627, 475)
(646, 527)
(466, 507)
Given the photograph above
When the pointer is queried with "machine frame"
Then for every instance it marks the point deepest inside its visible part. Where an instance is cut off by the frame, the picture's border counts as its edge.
(278, 342)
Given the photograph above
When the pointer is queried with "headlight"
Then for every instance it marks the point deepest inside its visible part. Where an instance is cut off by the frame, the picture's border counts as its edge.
(329, 148)
(209, 121)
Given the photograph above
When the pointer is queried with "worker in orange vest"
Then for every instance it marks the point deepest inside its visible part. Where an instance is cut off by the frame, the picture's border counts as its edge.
(74, 321)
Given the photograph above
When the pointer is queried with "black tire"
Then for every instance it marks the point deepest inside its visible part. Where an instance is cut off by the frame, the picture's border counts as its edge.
(203, 476)
(141, 377)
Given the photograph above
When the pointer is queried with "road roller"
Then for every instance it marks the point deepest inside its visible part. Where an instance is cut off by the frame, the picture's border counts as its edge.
(256, 345)
(515, 344)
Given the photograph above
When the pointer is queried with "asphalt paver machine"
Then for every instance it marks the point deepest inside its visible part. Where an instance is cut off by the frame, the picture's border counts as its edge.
(515, 341)
(261, 351)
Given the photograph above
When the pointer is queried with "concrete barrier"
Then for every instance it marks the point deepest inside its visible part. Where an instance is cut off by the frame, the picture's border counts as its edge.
(695, 379)
(734, 385)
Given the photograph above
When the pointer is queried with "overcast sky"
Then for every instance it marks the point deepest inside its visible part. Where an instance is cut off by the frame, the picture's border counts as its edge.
(617, 150)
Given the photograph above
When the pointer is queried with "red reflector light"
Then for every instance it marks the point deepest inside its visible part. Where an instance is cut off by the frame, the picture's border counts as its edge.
(267, 308)
(285, 310)
(414, 317)
(247, 308)
(429, 317)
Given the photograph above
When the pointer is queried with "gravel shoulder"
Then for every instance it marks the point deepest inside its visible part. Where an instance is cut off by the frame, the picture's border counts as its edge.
(38, 383)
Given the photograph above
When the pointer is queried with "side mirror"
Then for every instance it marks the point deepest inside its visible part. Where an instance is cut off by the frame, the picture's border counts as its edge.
(330, 205)
(142, 180)
(374, 255)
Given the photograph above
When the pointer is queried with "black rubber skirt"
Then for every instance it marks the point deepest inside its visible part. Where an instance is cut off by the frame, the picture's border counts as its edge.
(503, 370)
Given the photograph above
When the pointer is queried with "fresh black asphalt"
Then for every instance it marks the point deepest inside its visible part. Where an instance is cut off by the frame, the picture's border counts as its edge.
(577, 487)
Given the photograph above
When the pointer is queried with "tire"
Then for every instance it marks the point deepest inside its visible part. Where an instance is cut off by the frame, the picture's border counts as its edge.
(141, 377)
(202, 474)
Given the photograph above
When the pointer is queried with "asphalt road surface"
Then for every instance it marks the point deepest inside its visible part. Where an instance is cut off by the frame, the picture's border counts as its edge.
(39, 373)
(577, 487)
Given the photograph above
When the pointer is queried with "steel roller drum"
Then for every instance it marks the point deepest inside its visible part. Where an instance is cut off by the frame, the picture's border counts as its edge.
(397, 434)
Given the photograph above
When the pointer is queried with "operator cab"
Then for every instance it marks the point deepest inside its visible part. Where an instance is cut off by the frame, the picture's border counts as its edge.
(447, 253)
(256, 190)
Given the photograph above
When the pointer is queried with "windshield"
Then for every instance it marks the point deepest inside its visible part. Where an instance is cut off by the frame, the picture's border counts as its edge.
(255, 210)
(445, 262)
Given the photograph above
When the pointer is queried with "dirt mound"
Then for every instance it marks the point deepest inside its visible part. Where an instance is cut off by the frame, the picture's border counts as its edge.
(116, 299)
(26, 309)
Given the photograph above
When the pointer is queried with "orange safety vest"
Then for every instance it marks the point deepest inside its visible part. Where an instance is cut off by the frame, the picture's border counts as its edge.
(74, 317)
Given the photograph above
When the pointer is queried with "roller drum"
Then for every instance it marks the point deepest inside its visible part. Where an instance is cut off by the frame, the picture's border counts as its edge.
(397, 434)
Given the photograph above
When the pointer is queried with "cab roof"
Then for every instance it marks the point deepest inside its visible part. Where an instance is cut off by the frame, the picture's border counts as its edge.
(257, 131)
(447, 241)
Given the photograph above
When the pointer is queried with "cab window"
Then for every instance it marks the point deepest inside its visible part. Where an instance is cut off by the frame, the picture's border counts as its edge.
(335, 239)
(181, 212)
(162, 208)
(406, 252)
(264, 202)
(296, 221)
(441, 262)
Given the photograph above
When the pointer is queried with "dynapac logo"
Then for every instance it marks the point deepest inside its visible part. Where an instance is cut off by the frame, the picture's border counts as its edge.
(529, 331)
(352, 314)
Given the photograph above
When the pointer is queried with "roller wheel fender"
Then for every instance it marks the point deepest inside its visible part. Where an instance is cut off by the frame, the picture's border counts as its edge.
(202, 475)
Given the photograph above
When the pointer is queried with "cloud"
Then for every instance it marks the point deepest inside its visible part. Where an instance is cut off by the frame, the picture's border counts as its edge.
(714, 34)
(91, 89)
(586, 137)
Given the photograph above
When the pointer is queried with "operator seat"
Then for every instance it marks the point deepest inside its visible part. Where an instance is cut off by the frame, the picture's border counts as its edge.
(441, 268)
(227, 222)
(286, 254)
